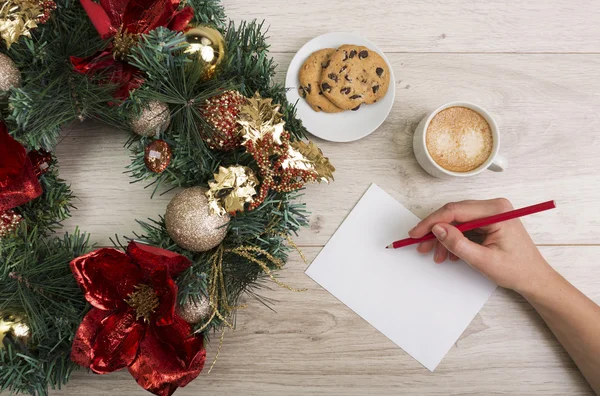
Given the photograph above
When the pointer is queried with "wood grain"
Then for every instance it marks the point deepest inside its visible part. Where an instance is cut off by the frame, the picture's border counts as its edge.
(432, 25)
(545, 105)
(313, 344)
(534, 65)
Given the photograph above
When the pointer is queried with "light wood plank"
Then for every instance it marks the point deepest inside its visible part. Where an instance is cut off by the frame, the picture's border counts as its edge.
(432, 25)
(546, 107)
(316, 345)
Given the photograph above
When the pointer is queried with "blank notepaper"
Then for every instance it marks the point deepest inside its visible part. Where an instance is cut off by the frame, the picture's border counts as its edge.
(421, 306)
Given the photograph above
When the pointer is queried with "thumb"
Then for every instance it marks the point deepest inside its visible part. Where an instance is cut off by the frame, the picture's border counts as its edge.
(457, 243)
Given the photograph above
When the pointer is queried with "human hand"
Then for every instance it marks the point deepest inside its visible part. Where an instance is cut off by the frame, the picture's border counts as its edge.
(507, 255)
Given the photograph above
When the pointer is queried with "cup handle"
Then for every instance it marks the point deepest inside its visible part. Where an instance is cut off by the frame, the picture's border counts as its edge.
(499, 164)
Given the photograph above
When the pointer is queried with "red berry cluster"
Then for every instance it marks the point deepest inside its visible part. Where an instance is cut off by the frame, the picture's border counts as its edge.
(48, 6)
(9, 220)
(273, 175)
(221, 113)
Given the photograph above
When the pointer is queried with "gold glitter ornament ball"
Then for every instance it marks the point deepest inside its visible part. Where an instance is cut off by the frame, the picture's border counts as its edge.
(10, 76)
(195, 311)
(153, 120)
(190, 223)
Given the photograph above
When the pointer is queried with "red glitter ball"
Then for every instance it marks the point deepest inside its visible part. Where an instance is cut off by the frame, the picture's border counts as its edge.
(221, 113)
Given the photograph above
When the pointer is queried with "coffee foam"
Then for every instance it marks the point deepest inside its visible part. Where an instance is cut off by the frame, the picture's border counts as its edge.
(459, 139)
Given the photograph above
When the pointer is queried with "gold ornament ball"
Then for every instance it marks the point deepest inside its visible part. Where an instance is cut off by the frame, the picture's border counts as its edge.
(195, 311)
(10, 76)
(153, 120)
(190, 223)
(206, 48)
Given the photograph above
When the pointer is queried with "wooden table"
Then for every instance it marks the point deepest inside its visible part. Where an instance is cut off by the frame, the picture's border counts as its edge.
(535, 65)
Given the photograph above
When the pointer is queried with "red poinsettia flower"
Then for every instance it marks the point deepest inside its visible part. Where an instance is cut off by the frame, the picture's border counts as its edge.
(124, 21)
(133, 322)
(18, 183)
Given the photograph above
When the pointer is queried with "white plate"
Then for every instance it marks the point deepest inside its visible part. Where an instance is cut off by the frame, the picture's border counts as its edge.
(348, 125)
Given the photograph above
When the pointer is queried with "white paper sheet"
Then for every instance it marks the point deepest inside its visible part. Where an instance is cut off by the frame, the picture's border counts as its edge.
(421, 306)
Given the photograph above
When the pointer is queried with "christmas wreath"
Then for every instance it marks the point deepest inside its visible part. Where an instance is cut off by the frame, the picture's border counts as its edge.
(204, 115)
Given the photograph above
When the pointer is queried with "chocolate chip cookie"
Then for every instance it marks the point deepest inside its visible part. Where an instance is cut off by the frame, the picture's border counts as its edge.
(310, 81)
(354, 75)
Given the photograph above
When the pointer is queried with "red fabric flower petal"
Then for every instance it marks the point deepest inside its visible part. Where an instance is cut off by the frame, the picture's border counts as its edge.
(107, 277)
(115, 10)
(18, 182)
(100, 19)
(168, 358)
(142, 16)
(181, 19)
(82, 351)
(117, 342)
(150, 257)
(166, 290)
(97, 62)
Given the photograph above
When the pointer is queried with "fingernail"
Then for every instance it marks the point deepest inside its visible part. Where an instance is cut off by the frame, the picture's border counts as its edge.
(439, 232)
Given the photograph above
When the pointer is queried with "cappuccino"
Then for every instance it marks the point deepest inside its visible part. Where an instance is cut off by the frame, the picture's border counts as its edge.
(459, 139)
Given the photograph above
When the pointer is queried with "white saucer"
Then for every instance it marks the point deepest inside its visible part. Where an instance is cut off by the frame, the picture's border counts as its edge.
(348, 125)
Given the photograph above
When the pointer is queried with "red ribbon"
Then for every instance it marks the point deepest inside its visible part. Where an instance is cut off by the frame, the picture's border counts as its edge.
(160, 351)
(18, 182)
(133, 17)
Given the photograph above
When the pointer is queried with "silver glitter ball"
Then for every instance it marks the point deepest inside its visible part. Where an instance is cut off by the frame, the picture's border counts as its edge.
(195, 311)
(190, 223)
(10, 76)
(153, 120)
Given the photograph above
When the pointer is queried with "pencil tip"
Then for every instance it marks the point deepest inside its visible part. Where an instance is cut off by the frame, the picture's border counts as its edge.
(388, 247)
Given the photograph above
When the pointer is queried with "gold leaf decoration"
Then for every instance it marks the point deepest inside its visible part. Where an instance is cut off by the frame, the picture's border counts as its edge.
(308, 156)
(231, 189)
(17, 18)
(260, 118)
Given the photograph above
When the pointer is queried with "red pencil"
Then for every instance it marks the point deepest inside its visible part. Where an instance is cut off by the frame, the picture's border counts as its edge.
(486, 221)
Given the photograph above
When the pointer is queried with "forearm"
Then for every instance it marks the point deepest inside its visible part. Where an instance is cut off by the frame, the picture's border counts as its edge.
(573, 318)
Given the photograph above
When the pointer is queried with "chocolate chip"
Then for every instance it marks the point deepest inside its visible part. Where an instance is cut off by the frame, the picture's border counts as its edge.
(363, 80)
(302, 92)
(343, 68)
(379, 71)
(356, 108)
(363, 54)
(332, 76)
(326, 64)
(375, 88)
(326, 87)
(345, 56)
(355, 96)
(348, 78)
(345, 90)
(308, 88)
(320, 92)
(352, 54)
(319, 107)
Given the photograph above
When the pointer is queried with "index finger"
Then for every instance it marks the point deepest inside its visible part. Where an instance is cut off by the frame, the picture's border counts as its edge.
(461, 212)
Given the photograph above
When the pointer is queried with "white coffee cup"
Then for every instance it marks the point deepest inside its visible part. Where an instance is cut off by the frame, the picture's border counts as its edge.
(495, 161)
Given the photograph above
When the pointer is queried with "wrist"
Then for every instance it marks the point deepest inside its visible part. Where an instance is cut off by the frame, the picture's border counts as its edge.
(539, 283)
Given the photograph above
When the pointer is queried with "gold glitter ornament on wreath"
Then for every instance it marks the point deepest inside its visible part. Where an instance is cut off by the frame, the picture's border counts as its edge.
(9, 221)
(221, 114)
(153, 120)
(195, 311)
(191, 225)
(206, 49)
(10, 76)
